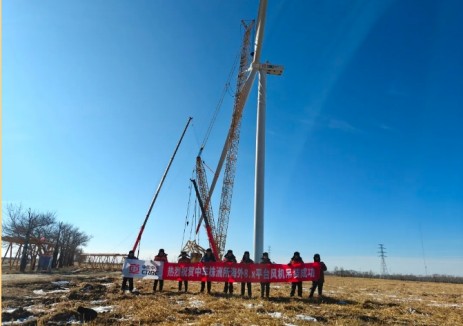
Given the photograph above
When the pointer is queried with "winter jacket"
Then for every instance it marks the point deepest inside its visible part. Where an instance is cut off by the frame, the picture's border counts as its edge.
(229, 259)
(296, 261)
(184, 260)
(248, 261)
(322, 270)
(208, 259)
(161, 257)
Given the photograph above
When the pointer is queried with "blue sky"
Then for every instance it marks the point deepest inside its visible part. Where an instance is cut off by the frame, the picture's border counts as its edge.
(364, 143)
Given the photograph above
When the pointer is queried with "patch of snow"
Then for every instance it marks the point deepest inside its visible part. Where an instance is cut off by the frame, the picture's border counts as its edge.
(58, 291)
(9, 310)
(36, 308)
(108, 285)
(77, 271)
(20, 321)
(252, 305)
(39, 292)
(275, 314)
(445, 305)
(42, 292)
(61, 283)
(180, 303)
(104, 278)
(103, 309)
(72, 321)
(411, 298)
(196, 303)
(305, 317)
(97, 301)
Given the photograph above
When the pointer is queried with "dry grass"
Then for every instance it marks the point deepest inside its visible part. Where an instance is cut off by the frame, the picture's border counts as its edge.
(347, 301)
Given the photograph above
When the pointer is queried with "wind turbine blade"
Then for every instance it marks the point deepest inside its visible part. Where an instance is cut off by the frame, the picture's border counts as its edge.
(259, 31)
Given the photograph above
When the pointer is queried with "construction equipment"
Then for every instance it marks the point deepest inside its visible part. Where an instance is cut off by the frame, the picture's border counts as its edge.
(228, 156)
(137, 241)
(210, 235)
(229, 152)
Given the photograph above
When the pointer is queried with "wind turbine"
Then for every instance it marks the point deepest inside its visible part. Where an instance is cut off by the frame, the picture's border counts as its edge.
(262, 69)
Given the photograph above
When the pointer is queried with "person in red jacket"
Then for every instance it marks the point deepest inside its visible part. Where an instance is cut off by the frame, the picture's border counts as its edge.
(183, 259)
(229, 258)
(161, 256)
(295, 261)
(318, 283)
(246, 260)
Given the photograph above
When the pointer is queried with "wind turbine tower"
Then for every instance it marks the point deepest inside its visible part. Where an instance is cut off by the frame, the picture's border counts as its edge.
(263, 69)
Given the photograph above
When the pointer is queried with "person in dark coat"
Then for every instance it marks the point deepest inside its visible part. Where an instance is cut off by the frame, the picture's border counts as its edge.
(318, 283)
(208, 258)
(161, 256)
(295, 261)
(229, 258)
(265, 286)
(246, 260)
(183, 259)
(129, 279)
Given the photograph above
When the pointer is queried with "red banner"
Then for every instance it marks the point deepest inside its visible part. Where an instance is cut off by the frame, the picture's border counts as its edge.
(231, 272)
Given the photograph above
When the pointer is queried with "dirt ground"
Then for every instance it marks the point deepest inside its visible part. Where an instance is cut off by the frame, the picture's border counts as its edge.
(53, 299)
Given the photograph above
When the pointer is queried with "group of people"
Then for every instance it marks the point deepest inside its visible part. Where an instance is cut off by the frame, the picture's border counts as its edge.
(228, 286)
(295, 260)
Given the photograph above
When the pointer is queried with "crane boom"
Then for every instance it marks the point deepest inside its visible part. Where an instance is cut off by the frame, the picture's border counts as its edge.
(137, 241)
(210, 235)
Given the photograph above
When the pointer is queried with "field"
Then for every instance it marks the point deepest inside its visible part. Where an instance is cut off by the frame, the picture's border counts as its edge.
(39, 299)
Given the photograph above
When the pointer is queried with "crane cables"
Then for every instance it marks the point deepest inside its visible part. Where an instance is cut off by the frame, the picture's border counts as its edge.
(187, 215)
(219, 104)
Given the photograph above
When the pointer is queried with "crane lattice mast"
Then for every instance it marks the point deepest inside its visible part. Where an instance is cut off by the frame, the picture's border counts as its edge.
(245, 84)
(203, 191)
(233, 143)
(228, 155)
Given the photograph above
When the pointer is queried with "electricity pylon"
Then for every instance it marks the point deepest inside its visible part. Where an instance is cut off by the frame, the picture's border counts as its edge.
(382, 255)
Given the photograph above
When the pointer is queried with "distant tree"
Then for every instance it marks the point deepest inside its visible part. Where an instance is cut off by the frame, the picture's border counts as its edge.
(66, 238)
(56, 235)
(69, 239)
(25, 224)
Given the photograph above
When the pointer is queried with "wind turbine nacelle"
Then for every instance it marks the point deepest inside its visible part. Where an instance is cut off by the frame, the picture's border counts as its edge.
(271, 69)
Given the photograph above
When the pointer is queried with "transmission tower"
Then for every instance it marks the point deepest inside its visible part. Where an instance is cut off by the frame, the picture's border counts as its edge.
(382, 255)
